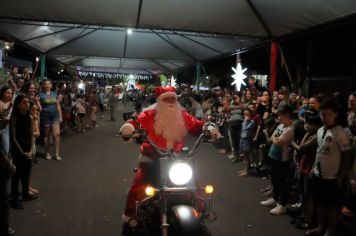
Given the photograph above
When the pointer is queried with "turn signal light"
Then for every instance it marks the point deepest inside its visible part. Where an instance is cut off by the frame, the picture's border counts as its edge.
(150, 191)
(209, 189)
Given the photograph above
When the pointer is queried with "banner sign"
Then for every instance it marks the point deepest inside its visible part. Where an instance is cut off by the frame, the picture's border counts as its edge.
(120, 76)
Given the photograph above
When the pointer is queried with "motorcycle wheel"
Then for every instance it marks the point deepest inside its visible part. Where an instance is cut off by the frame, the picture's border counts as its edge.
(128, 231)
(185, 225)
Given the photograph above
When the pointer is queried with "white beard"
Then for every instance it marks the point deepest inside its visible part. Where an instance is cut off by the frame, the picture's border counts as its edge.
(169, 123)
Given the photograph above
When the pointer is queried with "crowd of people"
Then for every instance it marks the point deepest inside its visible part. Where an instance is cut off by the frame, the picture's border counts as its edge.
(305, 145)
(33, 116)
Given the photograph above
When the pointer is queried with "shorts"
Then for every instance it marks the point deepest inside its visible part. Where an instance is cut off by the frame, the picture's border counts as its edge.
(246, 145)
(49, 119)
(326, 191)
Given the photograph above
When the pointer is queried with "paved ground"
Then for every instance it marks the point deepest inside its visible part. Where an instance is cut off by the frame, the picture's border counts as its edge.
(84, 193)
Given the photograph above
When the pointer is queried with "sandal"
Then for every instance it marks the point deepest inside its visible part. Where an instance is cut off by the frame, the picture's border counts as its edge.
(243, 173)
(34, 190)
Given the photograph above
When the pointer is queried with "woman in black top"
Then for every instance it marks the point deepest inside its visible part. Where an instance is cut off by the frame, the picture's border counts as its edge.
(21, 145)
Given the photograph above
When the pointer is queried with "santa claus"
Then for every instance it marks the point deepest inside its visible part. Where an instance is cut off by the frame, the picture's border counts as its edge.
(166, 124)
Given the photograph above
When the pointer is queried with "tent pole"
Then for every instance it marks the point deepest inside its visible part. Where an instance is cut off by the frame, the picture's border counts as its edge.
(72, 40)
(285, 63)
(56, 32)
(309, 60)
(139, 13)
(176, 47)
(259, 17)
(198, 75)
(273, 66)
(78, 60)
(197, 42)
(43, 66)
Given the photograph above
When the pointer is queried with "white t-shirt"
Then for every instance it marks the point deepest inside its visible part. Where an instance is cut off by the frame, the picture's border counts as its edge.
(331, 143)
(80, 106)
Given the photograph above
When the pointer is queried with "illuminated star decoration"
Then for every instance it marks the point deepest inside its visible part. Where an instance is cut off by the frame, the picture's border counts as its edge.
(239, 76)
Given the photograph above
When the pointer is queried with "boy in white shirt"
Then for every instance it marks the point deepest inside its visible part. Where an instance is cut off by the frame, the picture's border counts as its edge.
(330, 168)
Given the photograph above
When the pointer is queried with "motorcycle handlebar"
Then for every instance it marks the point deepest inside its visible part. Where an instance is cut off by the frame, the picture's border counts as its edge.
(140, 133)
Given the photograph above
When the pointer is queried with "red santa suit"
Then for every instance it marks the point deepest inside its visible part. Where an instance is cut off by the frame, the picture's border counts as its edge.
(146, 120)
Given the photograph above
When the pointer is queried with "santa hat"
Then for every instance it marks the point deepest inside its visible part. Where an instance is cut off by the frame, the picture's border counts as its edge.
(162, 92)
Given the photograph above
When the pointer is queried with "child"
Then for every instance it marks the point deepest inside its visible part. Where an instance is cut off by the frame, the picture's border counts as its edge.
(269, 127)
(34, 112)
(330, 168)
(256, 137)
(21, 150)
(307, 151)
(81, 111)
(280, 160)
(94, 111)
(246, 143)
(67, 112)
(264, 166)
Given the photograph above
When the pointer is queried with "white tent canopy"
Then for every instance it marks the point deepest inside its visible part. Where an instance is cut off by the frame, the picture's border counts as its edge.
(166, 34)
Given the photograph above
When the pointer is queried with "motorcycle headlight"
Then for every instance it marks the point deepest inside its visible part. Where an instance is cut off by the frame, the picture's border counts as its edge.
(180, 173)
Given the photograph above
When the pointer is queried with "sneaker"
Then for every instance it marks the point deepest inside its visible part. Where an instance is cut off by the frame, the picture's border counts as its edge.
(297, 205)
(222, 151)
(16, 205)
(58, 158)
(268, 193)
(231, 156)
(269, 203)
(279, 210)
(83, 131)
(265, 189)
(48, 156)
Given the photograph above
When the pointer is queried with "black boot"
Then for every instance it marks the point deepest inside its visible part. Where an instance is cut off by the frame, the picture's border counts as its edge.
(126, 230)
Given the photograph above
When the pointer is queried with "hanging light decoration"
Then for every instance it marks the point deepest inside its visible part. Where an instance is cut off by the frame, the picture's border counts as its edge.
(238, 77)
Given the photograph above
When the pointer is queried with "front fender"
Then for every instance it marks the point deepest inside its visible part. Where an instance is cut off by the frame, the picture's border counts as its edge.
(184, 220)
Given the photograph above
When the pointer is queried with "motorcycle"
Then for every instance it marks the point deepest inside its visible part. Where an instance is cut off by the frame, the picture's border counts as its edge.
(173, 205)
